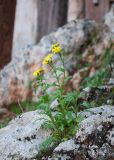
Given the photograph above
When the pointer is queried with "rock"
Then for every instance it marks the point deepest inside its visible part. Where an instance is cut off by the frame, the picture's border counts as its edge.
(100, 95)
(63, 149)
(94, 140)
(79, 76)
(16, 76)
(21, 139)
(65, 146)
(3, 111)
(95, 135)
(111, 81)
(54, 104)
(109, 21)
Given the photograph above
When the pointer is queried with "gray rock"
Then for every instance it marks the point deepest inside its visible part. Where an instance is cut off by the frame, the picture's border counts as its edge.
(109, 21)
(64, 151)
(94, 140)
(16, 76)
(95, 134)
(54, 104)
(3, 111)
(65, 146)
(21, 139)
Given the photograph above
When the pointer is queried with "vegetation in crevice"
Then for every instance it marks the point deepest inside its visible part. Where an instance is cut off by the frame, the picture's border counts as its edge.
(99, 91)
(60, 106)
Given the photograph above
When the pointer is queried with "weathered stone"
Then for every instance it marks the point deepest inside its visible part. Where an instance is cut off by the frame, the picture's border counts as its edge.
(94, 135)
(109, 21)
(3, 111)
(95, 138)
(16, 76)
(21, 139)
(65, 150)
(100, 95)
(65, 146)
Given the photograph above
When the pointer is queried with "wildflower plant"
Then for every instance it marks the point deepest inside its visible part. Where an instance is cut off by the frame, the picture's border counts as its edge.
(63, 119)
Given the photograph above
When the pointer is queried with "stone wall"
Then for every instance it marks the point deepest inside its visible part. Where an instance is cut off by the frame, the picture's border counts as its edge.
(36, 18)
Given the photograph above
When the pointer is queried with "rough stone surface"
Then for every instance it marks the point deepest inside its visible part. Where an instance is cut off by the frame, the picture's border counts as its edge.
(21, 139)
(64, 151)
(109, 21)
(94, 140)
(15, 77)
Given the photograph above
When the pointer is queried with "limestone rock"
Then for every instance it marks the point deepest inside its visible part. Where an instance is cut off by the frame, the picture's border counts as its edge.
(94, 140)
(65, 150)
(21, 139)
(16, 76)
(109, 21)
(95, 135)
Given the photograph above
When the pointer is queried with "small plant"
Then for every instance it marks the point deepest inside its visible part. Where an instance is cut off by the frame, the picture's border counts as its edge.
(104, 72)
(97, 79)
(62, 119)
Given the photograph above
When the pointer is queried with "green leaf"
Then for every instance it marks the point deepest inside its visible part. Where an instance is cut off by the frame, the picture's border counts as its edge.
(70, 116)
(61, 69)
(71, 96)
(86, 105)
(48, 143)
(61, 127)
(48, 125)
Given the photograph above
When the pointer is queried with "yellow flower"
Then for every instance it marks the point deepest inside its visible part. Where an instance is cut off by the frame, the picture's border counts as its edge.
(48, 59)
(56, 48)
(38, 72)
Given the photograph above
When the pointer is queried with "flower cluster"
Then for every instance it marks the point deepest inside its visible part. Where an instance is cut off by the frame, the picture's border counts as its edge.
(48, 59)
(38, 72)
(55, 48)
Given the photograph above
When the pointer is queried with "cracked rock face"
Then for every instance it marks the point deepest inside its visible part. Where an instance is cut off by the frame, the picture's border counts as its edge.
(94, 140)
(21, 139)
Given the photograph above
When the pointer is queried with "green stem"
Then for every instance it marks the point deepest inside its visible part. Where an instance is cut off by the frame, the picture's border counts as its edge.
(62, 60)
(42, 84)
(56, 76)
(60, 87)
